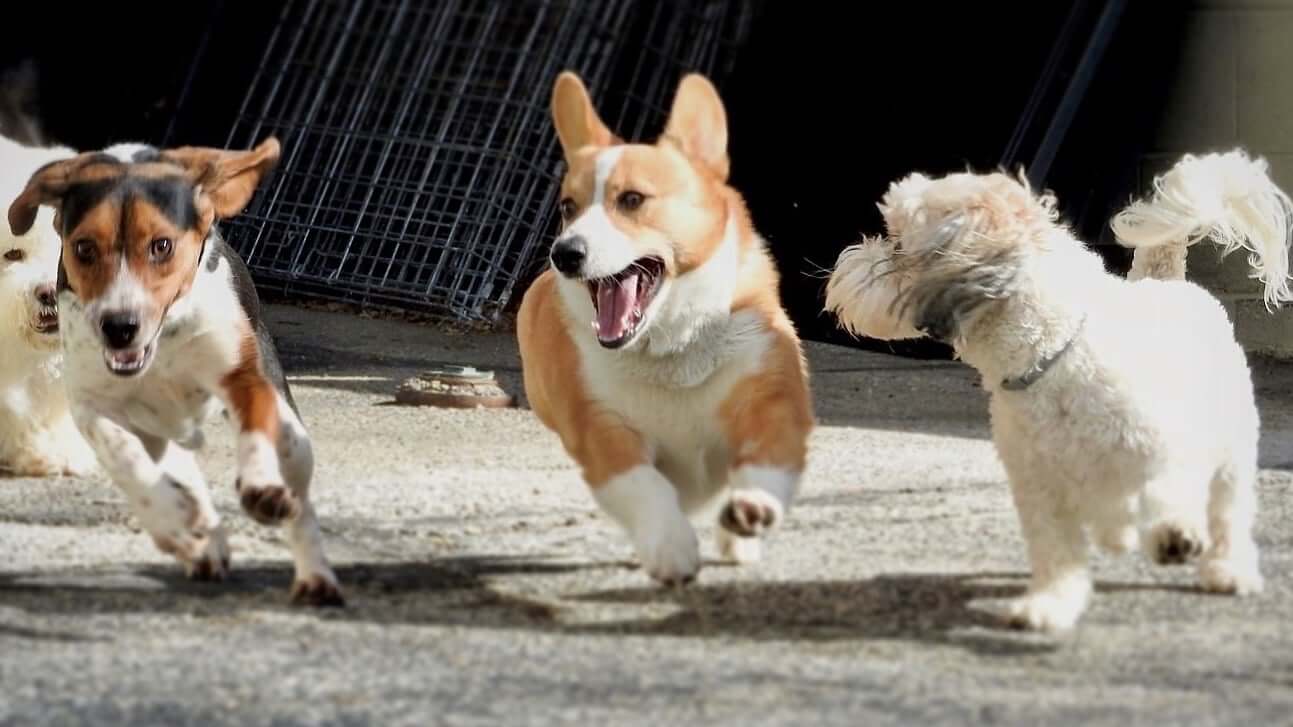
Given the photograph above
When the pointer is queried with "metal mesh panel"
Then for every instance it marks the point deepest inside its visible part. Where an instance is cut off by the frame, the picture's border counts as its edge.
(420, 168)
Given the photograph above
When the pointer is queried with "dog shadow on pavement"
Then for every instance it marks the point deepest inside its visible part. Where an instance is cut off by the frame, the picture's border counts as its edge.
(503, 592)
(939, 609)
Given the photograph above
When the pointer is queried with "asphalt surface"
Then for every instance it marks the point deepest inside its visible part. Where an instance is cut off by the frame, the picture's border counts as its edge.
(484, 588)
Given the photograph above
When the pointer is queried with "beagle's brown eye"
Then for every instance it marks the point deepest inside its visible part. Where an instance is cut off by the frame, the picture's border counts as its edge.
(568, 209)
(630, 200)
(161, 249)
(15, 255)
(86, 251)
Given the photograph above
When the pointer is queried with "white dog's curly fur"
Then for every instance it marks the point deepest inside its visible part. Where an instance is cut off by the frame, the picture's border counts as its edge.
(37, 435)
(1123, 411)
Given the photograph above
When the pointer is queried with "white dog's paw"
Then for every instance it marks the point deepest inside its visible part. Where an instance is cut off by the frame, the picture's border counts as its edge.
(750, 513)
(669, 551)
(1173, 543)
(736, 549)
(212, 564)
(1231, 576)
(1046, 611)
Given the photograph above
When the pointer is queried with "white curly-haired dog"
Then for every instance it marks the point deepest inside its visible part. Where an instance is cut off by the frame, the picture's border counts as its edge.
(1123, 411)
(37, 435)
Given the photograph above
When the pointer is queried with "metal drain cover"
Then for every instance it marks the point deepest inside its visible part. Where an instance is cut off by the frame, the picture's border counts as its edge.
(455, 387)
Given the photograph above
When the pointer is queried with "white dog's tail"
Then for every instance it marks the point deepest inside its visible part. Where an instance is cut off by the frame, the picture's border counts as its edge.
(1227, 197)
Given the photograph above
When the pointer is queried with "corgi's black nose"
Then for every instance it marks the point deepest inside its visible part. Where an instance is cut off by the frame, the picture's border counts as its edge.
(568, 254)
(119, 329)
(46, 295)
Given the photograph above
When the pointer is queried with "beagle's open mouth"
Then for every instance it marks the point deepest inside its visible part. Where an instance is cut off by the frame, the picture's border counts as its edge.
(45, 321)
(621, 300)
(127, 362)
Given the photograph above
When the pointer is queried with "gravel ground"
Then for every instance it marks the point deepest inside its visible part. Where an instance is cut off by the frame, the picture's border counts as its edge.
(485, 588)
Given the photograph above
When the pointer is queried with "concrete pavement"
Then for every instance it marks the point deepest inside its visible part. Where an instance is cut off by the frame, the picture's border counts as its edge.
(484, 588)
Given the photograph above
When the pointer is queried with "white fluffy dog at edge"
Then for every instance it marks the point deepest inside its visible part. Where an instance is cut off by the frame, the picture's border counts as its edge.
(1122, 410)
(37, 435)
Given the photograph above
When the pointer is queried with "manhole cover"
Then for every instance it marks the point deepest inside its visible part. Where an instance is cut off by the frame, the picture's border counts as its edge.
(453, 386)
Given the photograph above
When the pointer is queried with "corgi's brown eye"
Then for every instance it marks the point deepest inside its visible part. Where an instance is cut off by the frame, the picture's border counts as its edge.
(15, 255)
(161, 249)
(568, 209)
(630, 200)
(85, 251)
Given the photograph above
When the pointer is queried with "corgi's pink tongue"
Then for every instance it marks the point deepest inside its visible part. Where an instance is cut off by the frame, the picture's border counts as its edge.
(616, 301)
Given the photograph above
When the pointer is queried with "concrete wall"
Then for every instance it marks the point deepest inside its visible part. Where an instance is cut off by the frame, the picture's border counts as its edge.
(1234, 88)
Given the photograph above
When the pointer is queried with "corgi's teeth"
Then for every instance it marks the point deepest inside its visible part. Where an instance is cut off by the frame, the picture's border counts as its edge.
(637, 313)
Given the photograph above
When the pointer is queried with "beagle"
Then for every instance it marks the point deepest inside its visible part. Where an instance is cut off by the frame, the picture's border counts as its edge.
(161, 328)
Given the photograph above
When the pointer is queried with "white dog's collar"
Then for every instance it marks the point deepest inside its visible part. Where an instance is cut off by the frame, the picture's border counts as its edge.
(1030, 377)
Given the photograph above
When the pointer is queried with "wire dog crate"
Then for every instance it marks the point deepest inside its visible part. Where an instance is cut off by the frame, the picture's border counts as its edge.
(420, 168)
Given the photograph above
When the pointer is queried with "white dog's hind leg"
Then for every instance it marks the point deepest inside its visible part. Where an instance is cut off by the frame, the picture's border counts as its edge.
(1231, 564)
(1113, 523)
(78, 458)
(1172, 516)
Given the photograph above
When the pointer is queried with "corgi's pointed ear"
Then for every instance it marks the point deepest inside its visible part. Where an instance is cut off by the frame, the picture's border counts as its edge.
(698, 124)
(228, 179)
(46, 186)
(574, 117)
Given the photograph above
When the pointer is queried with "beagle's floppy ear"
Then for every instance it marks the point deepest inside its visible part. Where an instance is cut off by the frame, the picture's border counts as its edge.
(227, 179)
(46, 186)
(698, 124)
(574, 117)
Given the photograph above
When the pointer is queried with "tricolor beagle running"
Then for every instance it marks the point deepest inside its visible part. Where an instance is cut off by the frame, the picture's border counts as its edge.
(160, 328)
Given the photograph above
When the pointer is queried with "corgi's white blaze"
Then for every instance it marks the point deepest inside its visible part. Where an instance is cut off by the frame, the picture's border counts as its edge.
(602, 167)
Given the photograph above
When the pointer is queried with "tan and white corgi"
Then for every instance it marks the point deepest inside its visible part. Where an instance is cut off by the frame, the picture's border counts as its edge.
(656, 345)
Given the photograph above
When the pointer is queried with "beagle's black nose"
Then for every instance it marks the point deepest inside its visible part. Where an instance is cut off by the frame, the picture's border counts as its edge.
(568, 254)
(119, 329)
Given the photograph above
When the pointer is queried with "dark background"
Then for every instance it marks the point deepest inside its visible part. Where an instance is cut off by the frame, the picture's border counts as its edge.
(829, 103)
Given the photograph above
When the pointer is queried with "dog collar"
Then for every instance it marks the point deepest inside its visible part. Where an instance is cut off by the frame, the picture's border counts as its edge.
(1039, 369)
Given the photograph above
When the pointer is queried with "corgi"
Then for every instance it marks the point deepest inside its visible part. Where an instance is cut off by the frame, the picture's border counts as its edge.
(655, 344)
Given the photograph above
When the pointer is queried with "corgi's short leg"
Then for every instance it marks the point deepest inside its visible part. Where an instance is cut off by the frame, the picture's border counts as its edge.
(767, 419)
(737, 549)
(646, 505)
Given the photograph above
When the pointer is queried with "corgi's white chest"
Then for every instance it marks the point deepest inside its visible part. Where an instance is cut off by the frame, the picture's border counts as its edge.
(674, 401)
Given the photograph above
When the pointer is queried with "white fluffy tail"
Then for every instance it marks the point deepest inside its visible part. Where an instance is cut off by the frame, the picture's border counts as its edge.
(1227, 197)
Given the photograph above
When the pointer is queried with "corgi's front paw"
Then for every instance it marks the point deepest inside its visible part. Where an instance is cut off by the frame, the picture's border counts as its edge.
(669, 551)
(750, 513)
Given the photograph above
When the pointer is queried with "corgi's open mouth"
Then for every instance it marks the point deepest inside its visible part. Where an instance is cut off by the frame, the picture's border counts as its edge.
(45, 322)
(127, 362)
(621, 300)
